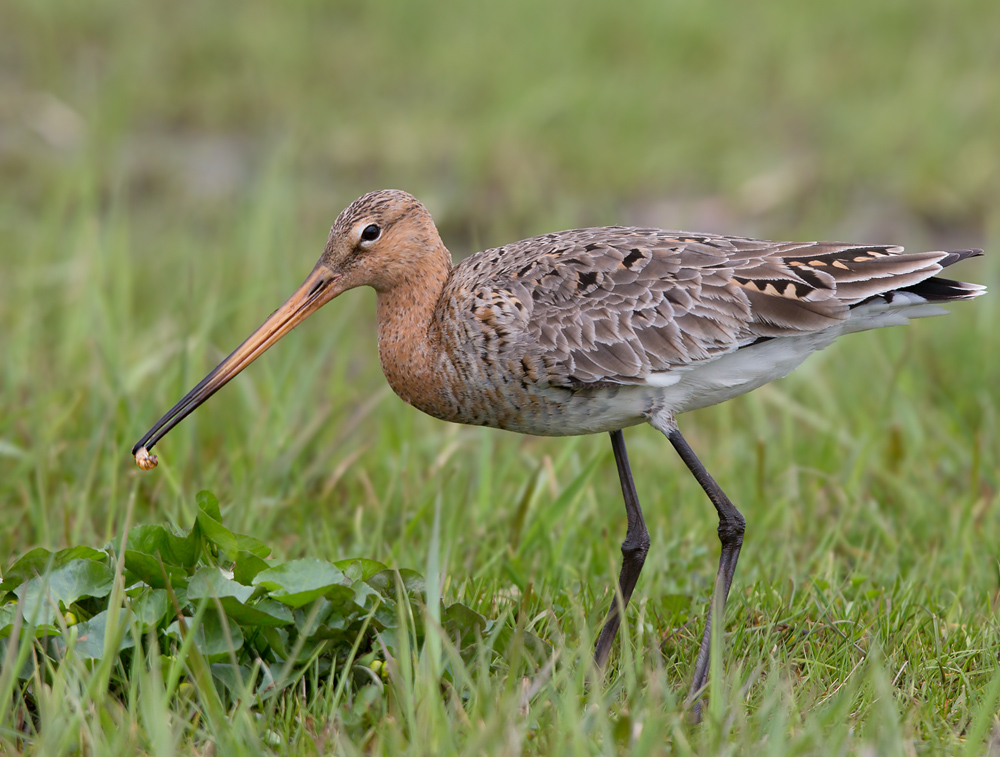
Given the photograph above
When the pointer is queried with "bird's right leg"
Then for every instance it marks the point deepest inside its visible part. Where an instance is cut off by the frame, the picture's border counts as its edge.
(634, 550)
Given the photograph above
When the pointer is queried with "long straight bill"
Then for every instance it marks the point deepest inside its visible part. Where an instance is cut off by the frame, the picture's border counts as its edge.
(316, 291)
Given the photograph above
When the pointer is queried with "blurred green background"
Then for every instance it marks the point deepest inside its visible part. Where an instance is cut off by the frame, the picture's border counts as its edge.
(513, 116)
(168, 174)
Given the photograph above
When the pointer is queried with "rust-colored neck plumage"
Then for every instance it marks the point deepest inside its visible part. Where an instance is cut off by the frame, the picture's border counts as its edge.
(409, 348)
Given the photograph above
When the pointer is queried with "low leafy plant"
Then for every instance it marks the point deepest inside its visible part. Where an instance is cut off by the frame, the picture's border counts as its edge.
(258, 625)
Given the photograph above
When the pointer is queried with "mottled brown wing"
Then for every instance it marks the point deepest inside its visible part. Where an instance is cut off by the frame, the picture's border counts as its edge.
(618, 304)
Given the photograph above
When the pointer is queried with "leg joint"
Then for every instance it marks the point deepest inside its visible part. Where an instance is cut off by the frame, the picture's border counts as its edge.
(635, 547)
(731, 530)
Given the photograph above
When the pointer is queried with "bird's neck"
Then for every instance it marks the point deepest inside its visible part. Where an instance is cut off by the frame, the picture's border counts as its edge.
(408, 346)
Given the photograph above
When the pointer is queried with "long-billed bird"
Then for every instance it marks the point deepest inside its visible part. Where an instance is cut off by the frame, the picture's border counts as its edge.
(594, 330)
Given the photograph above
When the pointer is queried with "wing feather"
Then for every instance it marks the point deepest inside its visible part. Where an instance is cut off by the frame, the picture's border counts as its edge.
(617, 304)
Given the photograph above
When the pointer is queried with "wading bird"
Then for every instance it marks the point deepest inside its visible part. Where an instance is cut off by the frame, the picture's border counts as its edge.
(594, 330)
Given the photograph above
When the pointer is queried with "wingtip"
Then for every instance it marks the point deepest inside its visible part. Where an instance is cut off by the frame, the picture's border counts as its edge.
(954, 256)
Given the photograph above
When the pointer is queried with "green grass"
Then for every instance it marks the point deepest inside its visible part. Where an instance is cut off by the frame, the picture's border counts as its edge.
(167, 177)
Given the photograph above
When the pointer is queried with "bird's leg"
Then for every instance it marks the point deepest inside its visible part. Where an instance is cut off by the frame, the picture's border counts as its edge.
(731, 527)
(634, 550)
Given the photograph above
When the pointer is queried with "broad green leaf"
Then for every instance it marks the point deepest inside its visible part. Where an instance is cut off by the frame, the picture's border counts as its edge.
(90, 636)
(342, 598)
(384, 582)
(31, 564)
(81, 552)
(209, 520)
(365, 597)
(310, 618)
(211, 583)
(233, 678)
(464, 626)
(177, 549)
(338, 613)
(312, 646)
(390, 638)
(335, 622)
(210, 636)
(277, 640)
(252, 545)
(31, 663)
(180, 594)
(386, 616)
(266, 612)
(65, 585)
(148, 569)
(247, 566)
(8, 611)
(299, 582)
(218, 534)
(208, 503)
(368, 568)
(38, 560)
(150, 607)
(464, 621)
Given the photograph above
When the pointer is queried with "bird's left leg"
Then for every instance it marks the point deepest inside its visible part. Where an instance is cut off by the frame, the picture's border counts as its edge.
(731, 528)
(634, 550)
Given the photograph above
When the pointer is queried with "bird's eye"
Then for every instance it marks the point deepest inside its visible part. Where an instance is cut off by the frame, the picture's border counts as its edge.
(371, 232)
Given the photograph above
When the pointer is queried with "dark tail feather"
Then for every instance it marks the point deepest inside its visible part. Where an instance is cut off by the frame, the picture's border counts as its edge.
(936, 288)
(939, 289)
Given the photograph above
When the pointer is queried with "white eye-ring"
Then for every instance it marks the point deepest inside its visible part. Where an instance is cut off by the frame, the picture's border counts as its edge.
(370, 233)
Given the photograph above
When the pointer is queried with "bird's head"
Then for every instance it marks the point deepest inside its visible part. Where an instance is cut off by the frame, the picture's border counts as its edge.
(380, 240)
